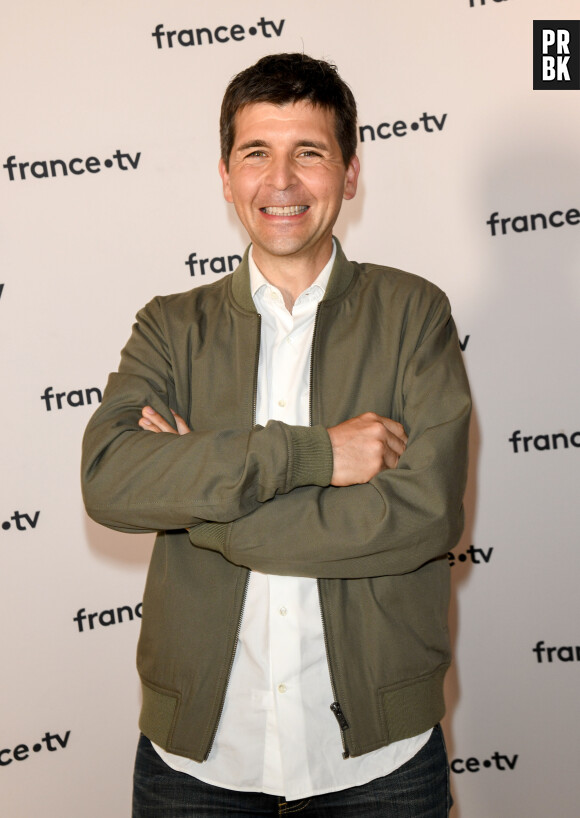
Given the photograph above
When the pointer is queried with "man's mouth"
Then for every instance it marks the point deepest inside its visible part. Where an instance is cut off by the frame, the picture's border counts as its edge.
(291, 210)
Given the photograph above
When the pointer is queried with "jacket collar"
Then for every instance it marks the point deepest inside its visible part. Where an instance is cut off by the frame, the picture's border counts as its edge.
(340, 277)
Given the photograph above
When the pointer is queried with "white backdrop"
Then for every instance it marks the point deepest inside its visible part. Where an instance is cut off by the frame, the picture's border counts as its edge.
(136, 126)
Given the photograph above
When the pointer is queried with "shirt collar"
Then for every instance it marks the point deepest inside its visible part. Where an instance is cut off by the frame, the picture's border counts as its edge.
(258, 281)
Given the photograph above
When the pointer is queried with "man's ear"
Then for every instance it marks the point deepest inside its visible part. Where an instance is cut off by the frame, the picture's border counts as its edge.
(223, 171)
(351, 179)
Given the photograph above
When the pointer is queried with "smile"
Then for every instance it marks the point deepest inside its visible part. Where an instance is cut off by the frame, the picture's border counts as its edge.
(292, 210)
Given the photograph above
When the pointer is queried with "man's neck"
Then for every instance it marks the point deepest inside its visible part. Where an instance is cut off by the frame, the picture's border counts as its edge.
(292, 275)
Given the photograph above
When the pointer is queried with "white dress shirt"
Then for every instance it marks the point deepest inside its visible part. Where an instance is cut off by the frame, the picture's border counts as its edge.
(277, 733)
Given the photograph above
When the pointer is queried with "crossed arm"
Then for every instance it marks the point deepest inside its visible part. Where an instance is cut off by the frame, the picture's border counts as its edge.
(361, 447)
(355, 500)
(320, 532)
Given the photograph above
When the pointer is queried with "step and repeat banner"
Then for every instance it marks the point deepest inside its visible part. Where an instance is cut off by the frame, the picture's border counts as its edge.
(110, 196)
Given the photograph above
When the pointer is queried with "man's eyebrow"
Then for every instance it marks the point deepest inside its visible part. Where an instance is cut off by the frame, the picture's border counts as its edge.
(301, 143)
(308, 143)
(253, 143)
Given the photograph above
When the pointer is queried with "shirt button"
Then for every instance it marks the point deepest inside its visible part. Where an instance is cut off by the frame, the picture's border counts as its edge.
(282, 402)
(282, 688)
(283, 611)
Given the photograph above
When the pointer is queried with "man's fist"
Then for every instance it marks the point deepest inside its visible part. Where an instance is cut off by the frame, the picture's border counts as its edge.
(364, 446)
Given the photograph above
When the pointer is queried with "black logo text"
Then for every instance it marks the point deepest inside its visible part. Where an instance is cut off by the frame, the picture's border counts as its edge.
(77, 397)
(22, 521)
(566, 653)
(217, 264)
(543, 443)
(47, 168)
(110, 616)
(476, 556)
(221, 34)
(51, 741)
(431, 124)
(474, 765)
(523, 224)
(473, 3)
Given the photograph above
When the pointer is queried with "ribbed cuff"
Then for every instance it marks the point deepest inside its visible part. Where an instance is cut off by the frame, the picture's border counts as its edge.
(310, 462)
(210, 535)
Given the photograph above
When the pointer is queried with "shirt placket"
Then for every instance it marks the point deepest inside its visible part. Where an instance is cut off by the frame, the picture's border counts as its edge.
(286, 403)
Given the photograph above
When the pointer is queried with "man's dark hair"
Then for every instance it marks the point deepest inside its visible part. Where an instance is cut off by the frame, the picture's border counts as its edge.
(285, 78)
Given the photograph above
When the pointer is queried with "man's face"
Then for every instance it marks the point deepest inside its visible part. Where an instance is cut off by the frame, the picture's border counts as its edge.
(287, 179)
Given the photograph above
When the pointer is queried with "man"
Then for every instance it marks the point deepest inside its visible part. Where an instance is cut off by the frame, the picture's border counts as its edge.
(306, 472)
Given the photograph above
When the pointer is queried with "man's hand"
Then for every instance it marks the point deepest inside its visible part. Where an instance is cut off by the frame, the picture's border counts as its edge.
(152, 421)
(364, 446)
(361, 447)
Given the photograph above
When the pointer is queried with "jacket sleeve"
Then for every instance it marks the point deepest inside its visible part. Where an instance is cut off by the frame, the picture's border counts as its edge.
(139, 481)
(403, 518)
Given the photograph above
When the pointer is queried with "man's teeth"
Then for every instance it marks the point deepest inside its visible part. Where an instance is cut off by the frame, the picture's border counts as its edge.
(292, 210)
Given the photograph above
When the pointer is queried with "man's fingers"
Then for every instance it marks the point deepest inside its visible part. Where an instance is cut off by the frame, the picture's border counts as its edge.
(152, 421)
(182, 426)
(396, 444)
(395, 429)
(390, 458)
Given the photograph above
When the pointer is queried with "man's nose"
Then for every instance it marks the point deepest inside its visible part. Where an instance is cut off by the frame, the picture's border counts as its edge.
(281, 173)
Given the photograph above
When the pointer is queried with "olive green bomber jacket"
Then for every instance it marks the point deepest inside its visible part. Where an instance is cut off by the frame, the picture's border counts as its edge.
(232, 496)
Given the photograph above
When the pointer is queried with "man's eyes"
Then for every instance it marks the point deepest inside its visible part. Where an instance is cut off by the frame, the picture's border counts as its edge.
(307, 153)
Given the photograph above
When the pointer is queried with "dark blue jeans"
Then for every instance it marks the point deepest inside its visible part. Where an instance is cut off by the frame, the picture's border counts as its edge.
(418, 789)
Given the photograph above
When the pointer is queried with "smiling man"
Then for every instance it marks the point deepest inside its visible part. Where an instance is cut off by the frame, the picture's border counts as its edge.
(287, 178)
(296, 433)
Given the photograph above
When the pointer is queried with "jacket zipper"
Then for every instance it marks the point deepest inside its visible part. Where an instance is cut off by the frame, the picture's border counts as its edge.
(247, 581)
(229, 673)
(335, 706)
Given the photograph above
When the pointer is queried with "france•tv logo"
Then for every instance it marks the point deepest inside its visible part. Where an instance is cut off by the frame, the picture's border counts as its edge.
(556, 55)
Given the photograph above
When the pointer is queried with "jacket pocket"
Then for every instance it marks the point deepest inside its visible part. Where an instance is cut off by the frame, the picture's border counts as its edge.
(409, 708)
